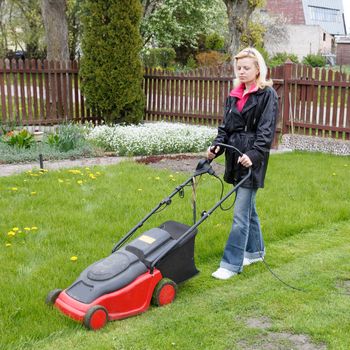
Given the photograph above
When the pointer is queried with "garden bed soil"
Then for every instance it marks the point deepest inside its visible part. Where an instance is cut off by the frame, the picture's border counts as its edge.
(178, 162)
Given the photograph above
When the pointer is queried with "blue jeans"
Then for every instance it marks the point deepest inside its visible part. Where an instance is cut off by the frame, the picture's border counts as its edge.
(245, 239)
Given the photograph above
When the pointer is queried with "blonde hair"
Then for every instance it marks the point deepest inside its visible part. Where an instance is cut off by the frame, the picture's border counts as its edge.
(259, 61)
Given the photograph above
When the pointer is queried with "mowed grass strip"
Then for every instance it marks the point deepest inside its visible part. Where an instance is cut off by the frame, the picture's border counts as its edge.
(48, 218)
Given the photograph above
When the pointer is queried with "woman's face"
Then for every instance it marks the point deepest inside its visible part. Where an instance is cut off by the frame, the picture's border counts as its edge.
(247, 70)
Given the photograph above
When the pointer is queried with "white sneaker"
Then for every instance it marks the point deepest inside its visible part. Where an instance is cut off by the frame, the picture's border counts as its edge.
(223, 274)
(247, 261)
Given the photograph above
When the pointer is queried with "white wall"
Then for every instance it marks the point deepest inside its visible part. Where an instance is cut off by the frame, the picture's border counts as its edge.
(303, 40)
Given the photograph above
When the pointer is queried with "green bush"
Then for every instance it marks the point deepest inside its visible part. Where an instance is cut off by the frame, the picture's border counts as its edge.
(315, 60)
(281, 57)
(66, 138)
(159, 57)
(214, 42)
(111, 68)
(18, 138)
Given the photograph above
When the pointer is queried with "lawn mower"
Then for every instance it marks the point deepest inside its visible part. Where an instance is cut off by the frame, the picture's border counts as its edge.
(148, 269)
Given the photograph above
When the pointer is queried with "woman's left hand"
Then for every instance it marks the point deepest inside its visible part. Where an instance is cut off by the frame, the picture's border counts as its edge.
(245, 161)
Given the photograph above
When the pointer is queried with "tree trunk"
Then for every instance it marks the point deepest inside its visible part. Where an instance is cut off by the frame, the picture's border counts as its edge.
(239, 13)
(56, 29)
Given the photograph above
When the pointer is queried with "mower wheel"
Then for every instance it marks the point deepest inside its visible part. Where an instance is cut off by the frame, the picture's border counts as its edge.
(52, 296)
(164, 292)
(96, 318)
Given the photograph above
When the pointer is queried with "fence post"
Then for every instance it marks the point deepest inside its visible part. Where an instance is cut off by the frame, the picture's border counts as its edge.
(287, 75)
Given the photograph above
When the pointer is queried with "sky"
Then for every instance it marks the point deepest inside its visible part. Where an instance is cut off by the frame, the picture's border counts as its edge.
(346, 5)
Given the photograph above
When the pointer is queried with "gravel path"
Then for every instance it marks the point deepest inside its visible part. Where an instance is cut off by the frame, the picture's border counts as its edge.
(10, 169)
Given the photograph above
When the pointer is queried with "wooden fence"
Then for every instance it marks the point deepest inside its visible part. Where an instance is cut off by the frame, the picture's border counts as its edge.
(312, 101)
(35, 92)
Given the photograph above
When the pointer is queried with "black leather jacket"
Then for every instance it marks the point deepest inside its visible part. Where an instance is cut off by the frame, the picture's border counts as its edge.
(251, 131)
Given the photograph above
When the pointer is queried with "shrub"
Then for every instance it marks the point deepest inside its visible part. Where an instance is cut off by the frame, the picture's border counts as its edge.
(163, 57)
(111, 68)
(214, 42)
(211, 58)
(315, 60)
(281, 57)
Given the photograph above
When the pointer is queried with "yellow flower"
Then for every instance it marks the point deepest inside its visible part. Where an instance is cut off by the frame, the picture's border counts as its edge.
(74, 171)
(33, 193)
(171, 176)
(15, 229)
(79, 182)
(334, 174)
(14, 188)
(92, 176)
(74, 258)
(11, 233)
(157, 178)
(8, 244)
(27, 228)
(34, 228)
(139, 189)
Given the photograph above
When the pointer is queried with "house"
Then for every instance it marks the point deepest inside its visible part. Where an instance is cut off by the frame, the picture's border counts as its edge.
(311, 25)
(343, 50)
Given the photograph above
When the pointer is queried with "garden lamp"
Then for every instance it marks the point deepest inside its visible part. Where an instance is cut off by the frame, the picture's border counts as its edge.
(38, 137)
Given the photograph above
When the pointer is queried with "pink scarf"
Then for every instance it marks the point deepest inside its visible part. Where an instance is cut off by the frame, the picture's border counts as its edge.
(241, 97)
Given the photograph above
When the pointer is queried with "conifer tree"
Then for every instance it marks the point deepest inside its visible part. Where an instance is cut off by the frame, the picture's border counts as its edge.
(111, 68)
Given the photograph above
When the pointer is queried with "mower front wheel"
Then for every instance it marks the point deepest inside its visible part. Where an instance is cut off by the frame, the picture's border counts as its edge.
(164, 292)
(52, 296)
(96, 318)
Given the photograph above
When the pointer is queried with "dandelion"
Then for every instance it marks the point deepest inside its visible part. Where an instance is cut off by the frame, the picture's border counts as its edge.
(171, 175)
(92, 176)
(74, 258)
(11, 233)
(15, 229)
(34, 228)
(8, 245)
(157, 178)
(74, 171)
(60, 181)
(139, 189)
(14, 188)
(79, 182)
(26, 229)
(334, 174)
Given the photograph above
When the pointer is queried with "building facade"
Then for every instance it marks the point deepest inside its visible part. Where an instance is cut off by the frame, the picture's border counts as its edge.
(312, 26)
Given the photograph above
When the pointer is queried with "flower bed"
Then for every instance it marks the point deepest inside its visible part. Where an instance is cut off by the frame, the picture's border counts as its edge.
(152, 138)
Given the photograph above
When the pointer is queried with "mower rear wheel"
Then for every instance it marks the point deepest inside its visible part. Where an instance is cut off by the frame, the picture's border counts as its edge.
(96, 318)
(165, 292)
(52, 296)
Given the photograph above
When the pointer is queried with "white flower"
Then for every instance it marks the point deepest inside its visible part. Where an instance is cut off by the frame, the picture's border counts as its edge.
(153, 138)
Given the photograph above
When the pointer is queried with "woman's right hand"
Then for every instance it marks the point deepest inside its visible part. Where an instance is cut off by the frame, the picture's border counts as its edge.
(212, 152)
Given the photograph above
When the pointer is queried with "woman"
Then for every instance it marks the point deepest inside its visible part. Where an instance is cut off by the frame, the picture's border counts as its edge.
(249, 125)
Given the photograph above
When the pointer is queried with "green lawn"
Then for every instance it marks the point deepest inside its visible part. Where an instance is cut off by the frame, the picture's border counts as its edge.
(47, 218)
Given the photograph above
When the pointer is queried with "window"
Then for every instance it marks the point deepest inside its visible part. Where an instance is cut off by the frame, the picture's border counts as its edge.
(322, 14)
